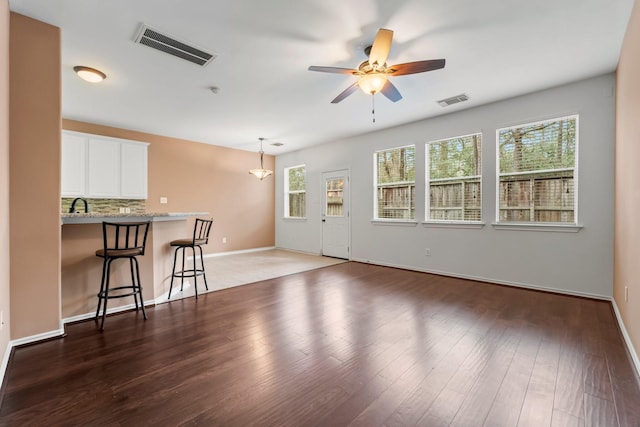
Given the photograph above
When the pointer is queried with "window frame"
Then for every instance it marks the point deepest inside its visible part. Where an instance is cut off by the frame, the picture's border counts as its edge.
(427, 190)
(287, 192)
(376, 218)
(573, 226)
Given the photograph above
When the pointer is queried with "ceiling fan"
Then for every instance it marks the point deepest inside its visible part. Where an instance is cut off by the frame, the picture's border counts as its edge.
(373, 73)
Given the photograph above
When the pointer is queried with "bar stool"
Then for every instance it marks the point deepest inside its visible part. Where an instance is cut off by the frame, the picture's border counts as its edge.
(121, 241)
(200, 237)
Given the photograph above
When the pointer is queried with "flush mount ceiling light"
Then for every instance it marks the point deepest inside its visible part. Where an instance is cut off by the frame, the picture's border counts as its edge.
(89, 74)
(261, 173)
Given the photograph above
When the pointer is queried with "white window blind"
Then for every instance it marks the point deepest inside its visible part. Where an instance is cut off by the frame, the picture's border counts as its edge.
(537, 172)
(395, 178)
(454, 179)
(295, 192)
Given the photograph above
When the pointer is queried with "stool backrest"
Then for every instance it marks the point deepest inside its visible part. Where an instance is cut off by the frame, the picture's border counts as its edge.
(125, 235)
(201, 229)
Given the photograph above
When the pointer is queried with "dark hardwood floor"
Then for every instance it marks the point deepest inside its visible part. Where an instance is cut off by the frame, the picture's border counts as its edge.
(351, 344)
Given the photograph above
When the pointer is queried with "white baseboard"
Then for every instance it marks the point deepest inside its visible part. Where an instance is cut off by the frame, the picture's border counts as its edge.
(627, 338)
(112, 310)
(296, 251)
(243, 251)
(5, 362)
(492, 281)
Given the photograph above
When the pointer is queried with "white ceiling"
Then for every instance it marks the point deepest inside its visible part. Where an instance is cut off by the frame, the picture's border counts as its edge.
(494, 49)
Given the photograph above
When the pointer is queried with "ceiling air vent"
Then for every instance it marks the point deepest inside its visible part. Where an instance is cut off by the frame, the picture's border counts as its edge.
(168, 44)
(453, 100)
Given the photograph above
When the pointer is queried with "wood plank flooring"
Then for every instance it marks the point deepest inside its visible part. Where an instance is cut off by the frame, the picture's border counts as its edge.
(351, 344)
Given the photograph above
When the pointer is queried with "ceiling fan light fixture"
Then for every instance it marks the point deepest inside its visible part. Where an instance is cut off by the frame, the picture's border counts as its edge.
(372, 83)
(89, 74)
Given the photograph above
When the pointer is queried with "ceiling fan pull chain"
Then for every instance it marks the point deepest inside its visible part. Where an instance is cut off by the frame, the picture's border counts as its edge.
(373, 107)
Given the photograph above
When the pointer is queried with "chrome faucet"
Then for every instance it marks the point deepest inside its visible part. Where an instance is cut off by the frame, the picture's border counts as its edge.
(72, 209)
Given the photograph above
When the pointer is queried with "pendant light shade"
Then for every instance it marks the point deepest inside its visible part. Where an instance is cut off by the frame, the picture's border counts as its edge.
(261, 173)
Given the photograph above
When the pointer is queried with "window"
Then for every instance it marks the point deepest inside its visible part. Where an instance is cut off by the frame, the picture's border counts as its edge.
(295, 192)
(536, 168)
(335, 197)
(454, 169)
(395, 177)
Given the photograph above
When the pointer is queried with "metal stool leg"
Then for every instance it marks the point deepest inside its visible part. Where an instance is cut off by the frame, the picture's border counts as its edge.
(195, 271)
(182, 270)
(133, 282)
(144, 313)
(102, 281)
(204, 275)
(173, 271)
(106, 293)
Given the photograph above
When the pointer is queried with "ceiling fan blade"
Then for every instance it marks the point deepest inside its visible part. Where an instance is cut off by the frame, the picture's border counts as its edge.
(416, 67)
(391, 92)
(332, 70)
(348, 91)
(381, 47)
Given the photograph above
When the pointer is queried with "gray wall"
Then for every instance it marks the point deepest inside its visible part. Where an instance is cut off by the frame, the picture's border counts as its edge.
(573, 262)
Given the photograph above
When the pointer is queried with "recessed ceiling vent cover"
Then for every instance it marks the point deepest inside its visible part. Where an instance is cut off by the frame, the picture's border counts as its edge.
(168, 44)
(453, 100)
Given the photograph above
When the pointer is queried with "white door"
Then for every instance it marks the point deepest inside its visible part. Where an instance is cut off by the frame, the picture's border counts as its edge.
(336, 230)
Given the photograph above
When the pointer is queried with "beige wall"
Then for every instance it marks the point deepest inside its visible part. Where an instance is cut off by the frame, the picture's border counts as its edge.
(34, 176)
(197, 177)
(627, 181)
(4, 178)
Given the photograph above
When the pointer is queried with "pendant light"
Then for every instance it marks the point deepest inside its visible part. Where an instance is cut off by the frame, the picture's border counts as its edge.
(261, 173)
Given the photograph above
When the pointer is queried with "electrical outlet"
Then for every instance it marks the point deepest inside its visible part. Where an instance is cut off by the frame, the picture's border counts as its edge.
(427, 252)
(224, 240)
(626, 294)
(163, 200)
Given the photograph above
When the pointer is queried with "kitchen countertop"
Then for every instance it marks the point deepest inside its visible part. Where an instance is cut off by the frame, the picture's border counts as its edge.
(96, 217)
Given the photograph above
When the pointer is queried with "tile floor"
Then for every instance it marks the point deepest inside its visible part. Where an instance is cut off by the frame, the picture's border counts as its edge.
(226, 271)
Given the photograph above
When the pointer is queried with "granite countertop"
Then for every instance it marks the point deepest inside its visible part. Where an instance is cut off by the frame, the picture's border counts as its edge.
(96, 217)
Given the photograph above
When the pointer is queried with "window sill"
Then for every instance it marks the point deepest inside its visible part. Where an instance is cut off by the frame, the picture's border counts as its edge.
(523, 226)
(453, 224)
(398, 222)
(294, 219)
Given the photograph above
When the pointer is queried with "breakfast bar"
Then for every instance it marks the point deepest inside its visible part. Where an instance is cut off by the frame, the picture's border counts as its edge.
(81, 269)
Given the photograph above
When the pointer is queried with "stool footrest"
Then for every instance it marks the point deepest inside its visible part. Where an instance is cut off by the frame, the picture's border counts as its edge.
(188, 273)
(134, 291)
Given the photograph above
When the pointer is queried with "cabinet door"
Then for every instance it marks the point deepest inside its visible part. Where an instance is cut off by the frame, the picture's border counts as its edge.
(104, 168)
(133, 172)
(74, 165)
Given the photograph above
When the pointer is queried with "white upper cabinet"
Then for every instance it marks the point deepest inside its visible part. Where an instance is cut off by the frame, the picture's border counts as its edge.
(104, 168)
(74, 165)
(133, 170)
(101, 167)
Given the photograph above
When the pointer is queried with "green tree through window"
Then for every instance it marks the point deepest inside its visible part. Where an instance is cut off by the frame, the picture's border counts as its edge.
(454, 179)
(395, 183)
(536, 171)
(295, 192)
